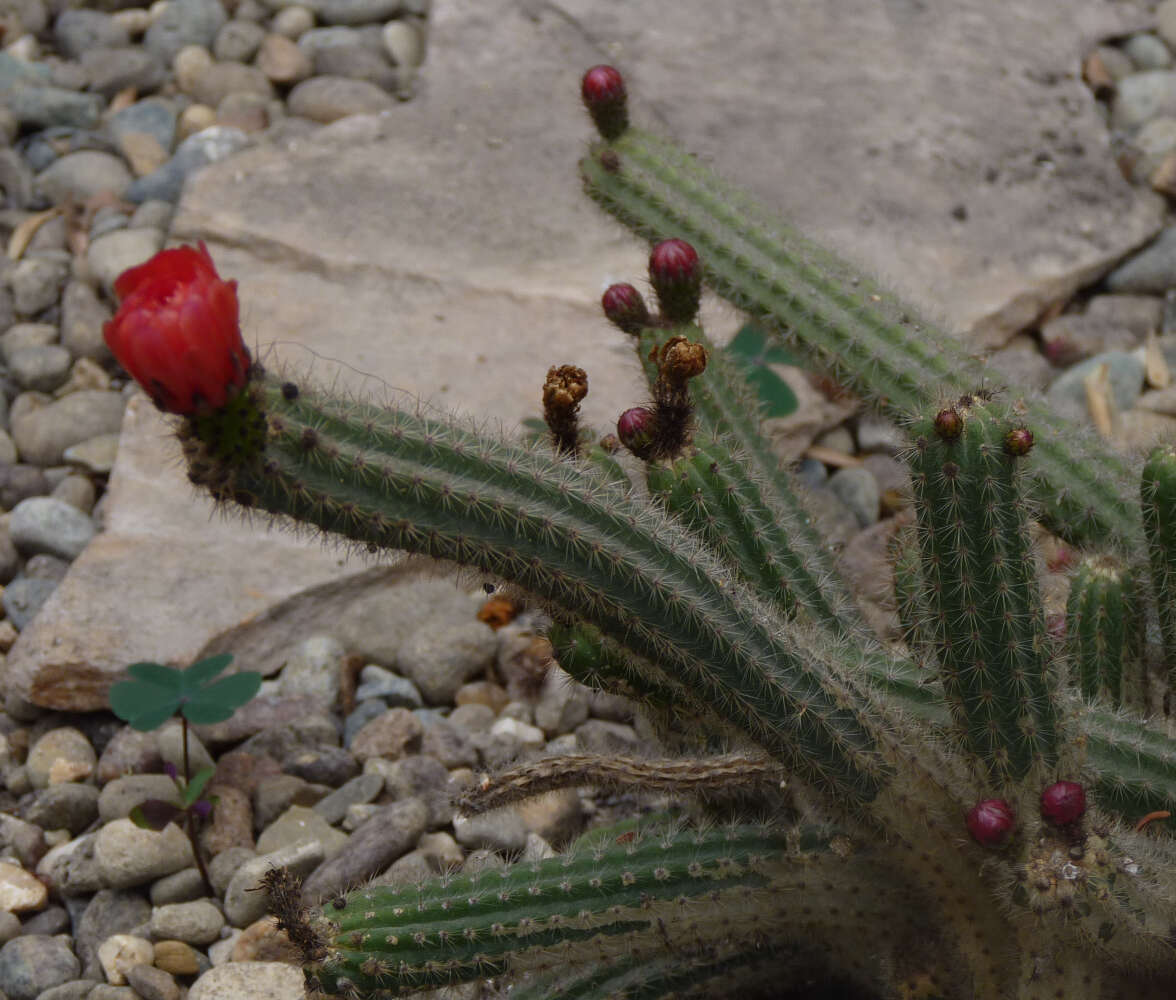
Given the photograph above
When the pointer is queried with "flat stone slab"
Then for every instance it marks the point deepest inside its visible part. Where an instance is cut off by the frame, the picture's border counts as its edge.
(444, 248)
(168, 573)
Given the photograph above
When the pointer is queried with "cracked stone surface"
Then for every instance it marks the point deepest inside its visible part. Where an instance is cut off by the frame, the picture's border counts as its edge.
(444, 248)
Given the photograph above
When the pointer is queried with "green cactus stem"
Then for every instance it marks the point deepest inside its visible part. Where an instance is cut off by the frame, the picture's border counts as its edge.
(1104, 629)
(874, 343)
(617, 900)
(980, 586)
(563, 533)
(1158, 492)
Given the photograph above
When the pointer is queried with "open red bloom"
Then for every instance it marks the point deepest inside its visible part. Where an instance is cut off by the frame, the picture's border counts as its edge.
(176, 331)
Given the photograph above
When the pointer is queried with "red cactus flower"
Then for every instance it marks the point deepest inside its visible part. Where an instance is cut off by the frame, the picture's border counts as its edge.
(176, 331)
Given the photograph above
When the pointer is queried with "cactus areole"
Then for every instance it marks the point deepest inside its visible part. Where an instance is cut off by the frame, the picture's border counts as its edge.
(990, 822)
(1063, 802)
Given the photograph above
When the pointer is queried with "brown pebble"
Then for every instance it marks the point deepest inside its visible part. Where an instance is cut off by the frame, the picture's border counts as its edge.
(177, 957)
(261, 941)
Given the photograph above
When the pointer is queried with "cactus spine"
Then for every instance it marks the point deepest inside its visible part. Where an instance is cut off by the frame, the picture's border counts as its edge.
(1104, 629)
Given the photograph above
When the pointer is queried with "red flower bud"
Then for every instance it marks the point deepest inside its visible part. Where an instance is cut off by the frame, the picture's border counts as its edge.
(949, 425)
(990, 822)
(1063, 802)
(1018, 441)
(625, 308)
(603, 92)
(676, 275)
(176, 331)
(635, 429)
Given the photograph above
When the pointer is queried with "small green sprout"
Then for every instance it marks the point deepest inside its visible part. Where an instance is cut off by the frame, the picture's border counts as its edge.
(153, 695)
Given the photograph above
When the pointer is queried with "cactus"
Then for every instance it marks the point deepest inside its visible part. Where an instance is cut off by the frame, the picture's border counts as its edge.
(1104, 630)
(957, 819)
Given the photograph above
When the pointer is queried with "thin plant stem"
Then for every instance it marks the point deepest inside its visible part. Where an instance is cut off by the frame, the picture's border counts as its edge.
(190, 819)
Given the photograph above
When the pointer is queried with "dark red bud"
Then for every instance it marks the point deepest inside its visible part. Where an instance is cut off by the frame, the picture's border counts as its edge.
(676, 275)
(603, 91)
(990, 822)
(1063, 802)
(625, 308)
(949, 425)
(635, 428)
(1018, 441)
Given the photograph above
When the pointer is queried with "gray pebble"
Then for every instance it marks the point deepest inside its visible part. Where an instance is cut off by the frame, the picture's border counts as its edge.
(812, 473)
(364, 712)
(448, 744)
(38, 105)
(83, 175)
(106, 220)
(1150, 271)
(43, 524)
(292, 22)
(64, 806)
(120, 796)
(418, 777)
(877, 433)
(17, 180)
(78, 31)
(51, 920)
(601, 737)
(75, 989)
(112, 253)
(392, 689)
(356, 62)
(24, 840)
(179, 887)
(223, 867)
(440, 658)
(198, 922)
(10, 926)
(71, 869)
(37, 282)
(207, 146)
(184, 22)
(24, 597)
(245, 901)
(221, 79)
(858, 490)
(170, 739)
(77, 491)
(500, 830)
(354, 11)
(151, 983)
(328, 765)
(111, 911)
(1067, 394)
(1143, 96)
(391, 832)
(326, 99)
(320, 38)
(404, 42)
(153, 116)
(238, 41)
(107, 991)
(41, 369)
(315, 668)
(83, 314)
(33, 963)
(21, 335)
(361, 789)
(18, 482)
(152, 214)
(1147, 51)
(110, 71)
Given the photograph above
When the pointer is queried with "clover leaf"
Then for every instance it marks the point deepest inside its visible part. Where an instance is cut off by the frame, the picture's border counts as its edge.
(156, 692)
(753, 352)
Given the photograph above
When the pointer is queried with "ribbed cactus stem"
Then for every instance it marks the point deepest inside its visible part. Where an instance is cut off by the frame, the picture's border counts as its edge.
(1104, 629)
(727, 418)
(400, 480)
(979, 575)
(873, 342)
(620, 899)
(1159, 524)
